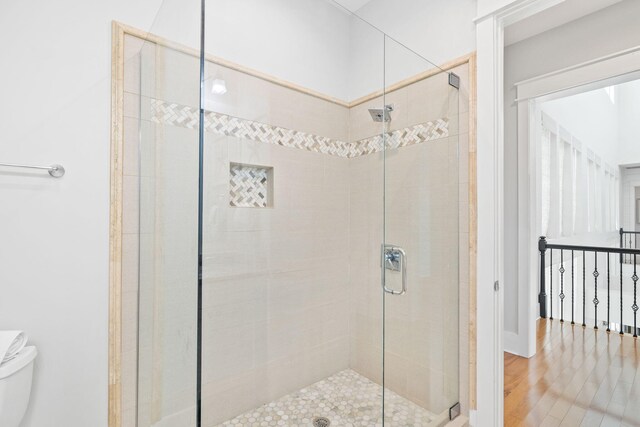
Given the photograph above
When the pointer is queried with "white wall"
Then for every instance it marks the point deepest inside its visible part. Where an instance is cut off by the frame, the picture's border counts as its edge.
(55, 107)
(422, 35)
(630, 181)
(302, 41)
(342, 55)
(439, 30)
(329, 50)
(607, 31)
(592, 118)
(609, 129)
(629, 110)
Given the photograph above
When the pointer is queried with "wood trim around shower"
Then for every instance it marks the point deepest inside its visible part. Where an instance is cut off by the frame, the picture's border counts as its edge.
(115, 226)
(119, 31)
(473, 232)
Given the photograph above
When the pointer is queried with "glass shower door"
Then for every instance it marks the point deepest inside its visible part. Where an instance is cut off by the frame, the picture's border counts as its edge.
(420, 249)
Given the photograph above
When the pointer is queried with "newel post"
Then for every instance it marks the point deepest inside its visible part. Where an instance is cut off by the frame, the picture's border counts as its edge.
(621, 238)
(542, 296)
(621, 246)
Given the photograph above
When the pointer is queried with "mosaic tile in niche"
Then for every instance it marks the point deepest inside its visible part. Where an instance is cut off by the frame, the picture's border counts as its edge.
(250, 186)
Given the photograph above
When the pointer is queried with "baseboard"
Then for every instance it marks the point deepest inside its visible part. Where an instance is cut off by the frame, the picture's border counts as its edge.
(514, 344)
(472, 417)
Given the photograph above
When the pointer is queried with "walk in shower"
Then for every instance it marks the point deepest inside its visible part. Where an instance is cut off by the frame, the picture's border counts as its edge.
(297, 221)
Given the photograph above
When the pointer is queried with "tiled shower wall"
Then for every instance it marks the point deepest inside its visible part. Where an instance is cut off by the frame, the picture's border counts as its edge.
(426, 212)
(291, 291)
(275, 315)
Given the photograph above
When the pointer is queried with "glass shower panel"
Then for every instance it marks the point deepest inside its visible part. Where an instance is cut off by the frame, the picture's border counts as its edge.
(420, 251)
(162, 94)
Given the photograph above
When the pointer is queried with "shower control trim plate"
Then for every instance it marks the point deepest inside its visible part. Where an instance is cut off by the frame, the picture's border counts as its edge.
(394, 258)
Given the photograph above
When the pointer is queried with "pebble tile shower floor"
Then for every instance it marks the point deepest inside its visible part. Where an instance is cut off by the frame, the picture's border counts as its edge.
(347, 399)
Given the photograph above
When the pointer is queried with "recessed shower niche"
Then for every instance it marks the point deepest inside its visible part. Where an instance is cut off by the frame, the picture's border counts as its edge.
(250, 186)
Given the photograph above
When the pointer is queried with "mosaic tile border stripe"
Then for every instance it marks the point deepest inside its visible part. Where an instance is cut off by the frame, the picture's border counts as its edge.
(402, 137)
(222, 124)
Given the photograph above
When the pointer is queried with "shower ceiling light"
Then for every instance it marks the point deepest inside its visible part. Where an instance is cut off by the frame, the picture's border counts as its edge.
(219, 87)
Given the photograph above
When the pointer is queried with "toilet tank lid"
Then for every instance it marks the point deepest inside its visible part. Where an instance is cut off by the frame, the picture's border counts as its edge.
(23, 358)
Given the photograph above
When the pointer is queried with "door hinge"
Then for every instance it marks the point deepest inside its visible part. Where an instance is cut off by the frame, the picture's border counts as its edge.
(454, 80)
(496, 286)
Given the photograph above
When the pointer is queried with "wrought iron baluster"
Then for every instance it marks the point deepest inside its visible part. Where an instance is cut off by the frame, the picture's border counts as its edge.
(621, 245)
(595, 285)
(561, 295)
(634, 307)
(542, 296)
(608, 294)
(550, 284)
(584, 294)
(621, 238)
(621, 327)
(608, 318)
(572, 291)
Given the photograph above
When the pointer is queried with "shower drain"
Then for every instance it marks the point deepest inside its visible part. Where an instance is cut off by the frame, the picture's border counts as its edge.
(321, 422)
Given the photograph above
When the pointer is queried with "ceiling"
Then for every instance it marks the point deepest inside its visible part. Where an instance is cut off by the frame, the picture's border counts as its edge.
(560, 14)
(352, 5)
(567, 11)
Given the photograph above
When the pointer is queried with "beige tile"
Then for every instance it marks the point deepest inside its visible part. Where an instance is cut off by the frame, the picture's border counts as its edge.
(361, 125)
(129, 379)
(132, 73)
(131, 137)
(436, 91)
(130, 205)
(130, 252)
(131, 105)
(171, 85)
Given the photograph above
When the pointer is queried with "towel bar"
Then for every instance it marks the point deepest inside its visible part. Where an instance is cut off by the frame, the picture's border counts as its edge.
(55, 171)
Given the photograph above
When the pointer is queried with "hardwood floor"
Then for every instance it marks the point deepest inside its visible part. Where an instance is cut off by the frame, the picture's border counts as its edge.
(578, 377)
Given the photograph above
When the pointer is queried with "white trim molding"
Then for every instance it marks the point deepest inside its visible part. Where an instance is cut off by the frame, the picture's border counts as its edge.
(624, 65)
(494, 16)
(489, 181)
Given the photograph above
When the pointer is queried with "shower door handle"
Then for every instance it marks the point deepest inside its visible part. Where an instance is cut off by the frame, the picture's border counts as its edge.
(394, 258)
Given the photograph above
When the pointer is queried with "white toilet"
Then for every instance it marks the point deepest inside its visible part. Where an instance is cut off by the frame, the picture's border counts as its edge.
(15, 387)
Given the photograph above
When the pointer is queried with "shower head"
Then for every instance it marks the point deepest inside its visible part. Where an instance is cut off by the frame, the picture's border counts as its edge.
(381, 114)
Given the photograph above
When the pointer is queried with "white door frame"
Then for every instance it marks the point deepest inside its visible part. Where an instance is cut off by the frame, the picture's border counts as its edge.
(612, 69)
(494, 16)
